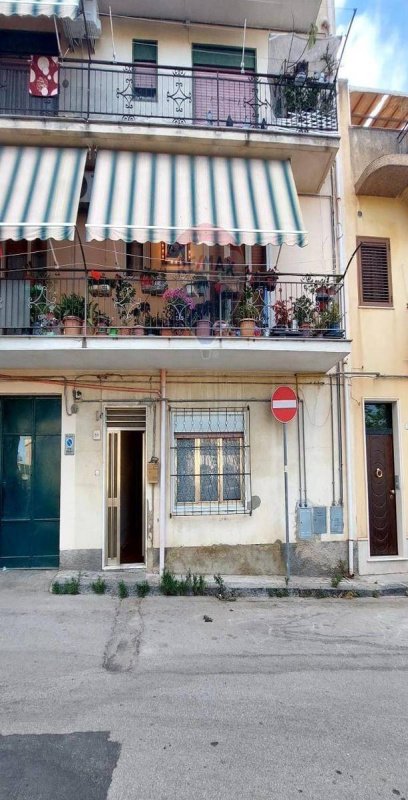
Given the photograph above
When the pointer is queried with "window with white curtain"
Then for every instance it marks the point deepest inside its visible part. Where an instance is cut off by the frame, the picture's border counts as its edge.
(210, 461)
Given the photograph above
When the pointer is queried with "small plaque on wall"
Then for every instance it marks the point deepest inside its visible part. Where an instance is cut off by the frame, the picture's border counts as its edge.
(153, 472)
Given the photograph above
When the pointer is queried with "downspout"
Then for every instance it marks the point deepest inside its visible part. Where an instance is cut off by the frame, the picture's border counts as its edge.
(163, 486)
(346, 383)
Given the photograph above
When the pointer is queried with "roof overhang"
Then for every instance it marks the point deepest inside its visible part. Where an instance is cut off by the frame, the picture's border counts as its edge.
(386, 176)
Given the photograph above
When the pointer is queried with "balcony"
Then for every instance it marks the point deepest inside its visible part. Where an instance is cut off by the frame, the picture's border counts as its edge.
(179, 110)
(69, 319)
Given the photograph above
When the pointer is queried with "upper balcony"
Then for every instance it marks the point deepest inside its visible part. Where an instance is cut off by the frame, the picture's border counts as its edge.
(379, 143)
(176, 109)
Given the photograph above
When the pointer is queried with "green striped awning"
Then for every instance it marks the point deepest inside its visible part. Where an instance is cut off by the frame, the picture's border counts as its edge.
(39, 192)
(46, 8)
(158, 197)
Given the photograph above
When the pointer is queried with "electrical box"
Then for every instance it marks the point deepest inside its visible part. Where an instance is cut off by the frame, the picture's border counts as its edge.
(305, 523)
(153, 471)
(336, 519)
(319, 520)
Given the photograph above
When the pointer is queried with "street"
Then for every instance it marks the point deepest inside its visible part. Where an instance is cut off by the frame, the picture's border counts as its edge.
(145, 700)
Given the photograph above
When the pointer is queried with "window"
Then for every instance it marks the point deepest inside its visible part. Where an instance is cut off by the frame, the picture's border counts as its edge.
(374, 271)
(210, 461)
(223, 94)
(145, 69)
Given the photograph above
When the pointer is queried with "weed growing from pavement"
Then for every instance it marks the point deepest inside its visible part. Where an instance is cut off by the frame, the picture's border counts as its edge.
(142, 588)
(70, 586)
(339, 572)
(186, 585)
(278, 592)
(99, 586)
(224, 591)
(123, 590)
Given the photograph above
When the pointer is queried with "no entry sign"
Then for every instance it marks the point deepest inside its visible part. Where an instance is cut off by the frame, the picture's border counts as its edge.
(284, 404)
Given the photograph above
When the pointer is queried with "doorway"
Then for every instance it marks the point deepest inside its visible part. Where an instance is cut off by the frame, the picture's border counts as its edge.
(30, 465)
(382, 512)
(125, 534)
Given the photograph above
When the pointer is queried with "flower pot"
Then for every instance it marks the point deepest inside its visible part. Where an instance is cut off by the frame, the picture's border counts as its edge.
(72, 326)
(101, 330)
(306, 329)
(247, 327)
(100, 290)
(138, 330)
(125, 331)
(183, 332)
(166, 332)
(113, 332)
(221, 328)
(203, 327)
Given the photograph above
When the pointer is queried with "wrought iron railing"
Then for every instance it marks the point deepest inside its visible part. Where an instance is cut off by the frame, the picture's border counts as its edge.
(146, 303)
(133, 94)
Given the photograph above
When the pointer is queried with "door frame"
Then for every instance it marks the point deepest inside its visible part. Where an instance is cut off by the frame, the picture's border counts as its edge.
(106, 428)
(399, 499)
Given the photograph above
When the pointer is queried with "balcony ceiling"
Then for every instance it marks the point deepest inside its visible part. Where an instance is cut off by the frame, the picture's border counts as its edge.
(282, 15)
(384, 177)
(185, 354)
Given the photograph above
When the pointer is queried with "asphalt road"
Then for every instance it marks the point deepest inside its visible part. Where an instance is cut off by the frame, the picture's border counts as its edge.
(144, 700)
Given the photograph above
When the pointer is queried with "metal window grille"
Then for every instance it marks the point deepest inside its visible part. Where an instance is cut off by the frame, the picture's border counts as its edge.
(210, 461)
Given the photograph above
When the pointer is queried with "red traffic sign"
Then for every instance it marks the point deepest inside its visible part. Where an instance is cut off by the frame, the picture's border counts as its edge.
(284, 404)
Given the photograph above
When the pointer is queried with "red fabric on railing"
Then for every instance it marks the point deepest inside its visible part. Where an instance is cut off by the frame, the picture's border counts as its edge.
(43, 81)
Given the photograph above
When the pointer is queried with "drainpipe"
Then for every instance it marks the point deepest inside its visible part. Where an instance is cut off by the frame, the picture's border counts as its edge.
(163, 486)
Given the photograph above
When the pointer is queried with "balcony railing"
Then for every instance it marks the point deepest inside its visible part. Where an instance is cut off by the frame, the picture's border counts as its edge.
(133, 94)
(146, 303)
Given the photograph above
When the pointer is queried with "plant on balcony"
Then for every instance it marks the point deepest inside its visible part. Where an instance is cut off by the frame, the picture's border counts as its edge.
(125, 303)
(265, 280)
(99, 285)
(178, 308)
(304, 312)
(282, 316)
(202, 315)
(330, 320)
(71, 311)
(248, 311)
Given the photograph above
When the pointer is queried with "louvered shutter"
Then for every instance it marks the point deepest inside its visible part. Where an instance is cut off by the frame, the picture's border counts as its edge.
(375, 278)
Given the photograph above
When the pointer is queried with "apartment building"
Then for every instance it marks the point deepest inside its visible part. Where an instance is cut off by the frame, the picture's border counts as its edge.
(169, 229)
(375, 163)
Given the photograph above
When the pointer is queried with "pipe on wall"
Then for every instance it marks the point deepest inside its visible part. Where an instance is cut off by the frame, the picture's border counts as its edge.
(163, 494)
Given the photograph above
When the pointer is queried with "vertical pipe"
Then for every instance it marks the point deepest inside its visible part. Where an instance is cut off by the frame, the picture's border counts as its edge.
(285, 469)
(340, 437)
(332, 442)
(298, 446)
(350, 475)
(304, 449)
(163, 493)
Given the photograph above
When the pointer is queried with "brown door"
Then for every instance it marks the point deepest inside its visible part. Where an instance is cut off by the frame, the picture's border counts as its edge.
(381, 494)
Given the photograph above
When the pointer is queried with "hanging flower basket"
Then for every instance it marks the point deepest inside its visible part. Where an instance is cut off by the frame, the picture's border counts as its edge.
(99, 285)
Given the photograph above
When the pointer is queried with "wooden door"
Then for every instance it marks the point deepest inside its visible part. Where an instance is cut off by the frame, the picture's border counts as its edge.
(381, 495)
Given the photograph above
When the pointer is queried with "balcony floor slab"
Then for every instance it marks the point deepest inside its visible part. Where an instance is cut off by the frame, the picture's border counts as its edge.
(189, 354)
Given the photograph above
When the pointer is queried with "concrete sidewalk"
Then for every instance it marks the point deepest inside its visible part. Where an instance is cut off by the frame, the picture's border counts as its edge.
(249, 585)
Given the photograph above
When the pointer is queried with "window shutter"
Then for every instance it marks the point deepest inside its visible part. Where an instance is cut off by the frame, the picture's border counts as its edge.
(375, 279)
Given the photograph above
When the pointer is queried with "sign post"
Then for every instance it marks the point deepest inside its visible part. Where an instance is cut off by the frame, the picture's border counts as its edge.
(284, 406)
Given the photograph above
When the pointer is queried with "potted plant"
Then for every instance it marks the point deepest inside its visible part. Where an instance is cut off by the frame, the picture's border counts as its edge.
(101, 324)
(304, 312)
(282, 317)
(139, 315)
(159, 284)
(71, 311)
(331, 321)
(42, 317)
(247, 311)
(125, 294)
(99, 285)
(147, 280)
(265, 280)
(178, 310)
(203, 316)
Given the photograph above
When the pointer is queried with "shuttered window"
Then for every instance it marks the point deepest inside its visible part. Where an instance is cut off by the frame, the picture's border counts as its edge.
(374, 271)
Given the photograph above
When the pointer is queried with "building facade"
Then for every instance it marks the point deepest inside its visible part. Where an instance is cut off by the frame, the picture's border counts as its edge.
(375, 167)
(169, 217)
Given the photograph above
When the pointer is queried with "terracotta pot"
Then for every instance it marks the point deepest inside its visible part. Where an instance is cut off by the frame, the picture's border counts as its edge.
(221, 328)
(183, 332)
(166, 332)
(203, 327)
(72, 326)
(138, 330)
(247, 327)
(125, 331)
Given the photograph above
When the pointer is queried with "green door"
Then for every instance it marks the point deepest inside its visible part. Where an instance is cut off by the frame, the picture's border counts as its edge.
(30, 462)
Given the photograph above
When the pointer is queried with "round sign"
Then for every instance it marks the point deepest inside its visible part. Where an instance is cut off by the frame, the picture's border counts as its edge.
(284, 404)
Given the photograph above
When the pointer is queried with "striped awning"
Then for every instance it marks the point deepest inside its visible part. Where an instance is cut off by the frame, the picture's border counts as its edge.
(178, 198)
(39, 192)
(28, 8)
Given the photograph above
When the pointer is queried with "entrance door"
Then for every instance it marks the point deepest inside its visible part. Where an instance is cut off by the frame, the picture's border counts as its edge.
(30, 462)
(381, 480)
(125, 497)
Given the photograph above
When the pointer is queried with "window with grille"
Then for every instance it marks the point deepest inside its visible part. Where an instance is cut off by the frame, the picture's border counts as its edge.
(145, 69)
(374, 272)
(210, 461)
